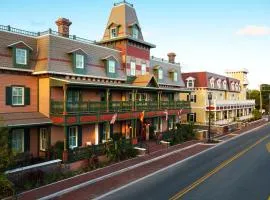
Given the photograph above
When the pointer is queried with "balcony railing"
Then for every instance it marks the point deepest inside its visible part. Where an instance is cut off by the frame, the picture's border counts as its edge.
(57, 107)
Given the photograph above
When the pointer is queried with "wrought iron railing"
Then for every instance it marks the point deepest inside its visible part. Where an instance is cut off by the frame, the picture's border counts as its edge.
(49, 31)
(57, 107)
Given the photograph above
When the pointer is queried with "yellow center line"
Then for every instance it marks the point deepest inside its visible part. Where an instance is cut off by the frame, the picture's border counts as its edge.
(268, 148)
(215, 170)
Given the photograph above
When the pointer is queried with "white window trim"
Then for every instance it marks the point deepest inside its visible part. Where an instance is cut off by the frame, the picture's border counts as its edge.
(25, 56)
(175, 76)
(219, 83)
(193, 117)
(79, 56)
(111, 32)
(76, 136)
(22, 132)
(132, 68)
(112, 68)
(143, 70)
(17, 104)
(225, 85)
(160, 74)
(135, 32)
(41, 139)
(212, 82)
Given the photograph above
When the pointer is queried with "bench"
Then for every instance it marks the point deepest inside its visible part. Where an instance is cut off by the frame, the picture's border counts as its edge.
(141, 151)
(165, 143)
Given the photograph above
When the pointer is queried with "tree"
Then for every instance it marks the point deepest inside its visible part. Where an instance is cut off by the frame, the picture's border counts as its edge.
(254, 94)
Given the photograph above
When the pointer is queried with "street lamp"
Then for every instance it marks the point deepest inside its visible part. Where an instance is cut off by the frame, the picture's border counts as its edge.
(209, 116)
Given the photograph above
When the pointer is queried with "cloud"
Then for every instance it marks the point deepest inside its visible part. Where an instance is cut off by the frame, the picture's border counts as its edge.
(253, 30)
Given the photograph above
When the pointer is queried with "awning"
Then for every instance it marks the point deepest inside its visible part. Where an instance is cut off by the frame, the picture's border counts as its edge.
(23, 119)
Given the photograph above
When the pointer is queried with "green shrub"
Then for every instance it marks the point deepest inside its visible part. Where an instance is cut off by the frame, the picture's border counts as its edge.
(6, 187)
(256, 114)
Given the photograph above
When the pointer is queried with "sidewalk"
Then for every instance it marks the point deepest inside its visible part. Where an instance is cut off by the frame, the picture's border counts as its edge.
(100, 181)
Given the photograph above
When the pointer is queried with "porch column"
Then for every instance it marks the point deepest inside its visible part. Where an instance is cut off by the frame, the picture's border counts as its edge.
(96, 134)
(134, 93)
(215, 116)
(107, 99)
(65, 154)
(228, 116)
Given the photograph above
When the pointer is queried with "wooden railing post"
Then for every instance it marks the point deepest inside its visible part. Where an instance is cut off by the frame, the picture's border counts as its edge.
(65, 153)
(107, 100)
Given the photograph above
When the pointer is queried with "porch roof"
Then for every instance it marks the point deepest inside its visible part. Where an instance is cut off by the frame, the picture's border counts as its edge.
(63, 81)
(23, 119)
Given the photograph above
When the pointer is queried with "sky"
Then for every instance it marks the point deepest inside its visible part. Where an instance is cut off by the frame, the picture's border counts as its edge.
(206, 35)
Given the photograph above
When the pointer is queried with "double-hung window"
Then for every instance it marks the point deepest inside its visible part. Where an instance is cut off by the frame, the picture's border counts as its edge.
(135, 32)
(132, 68)
(160, 74)
(113, 33)
(175, 76)
(79, 61)
(143, 69)
(43, 139)
(73, 137)
(17, 142)
(111, 66)
(21, 56)
(17, 96)
(170, 123)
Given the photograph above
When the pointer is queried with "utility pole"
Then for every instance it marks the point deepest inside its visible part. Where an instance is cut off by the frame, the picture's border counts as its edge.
(209, 116)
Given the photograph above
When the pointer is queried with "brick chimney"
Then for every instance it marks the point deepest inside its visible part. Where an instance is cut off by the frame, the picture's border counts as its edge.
(171, 57)
(63, 26)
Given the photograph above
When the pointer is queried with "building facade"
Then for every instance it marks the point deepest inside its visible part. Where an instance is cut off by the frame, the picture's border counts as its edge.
(228, 102)
(60, 87)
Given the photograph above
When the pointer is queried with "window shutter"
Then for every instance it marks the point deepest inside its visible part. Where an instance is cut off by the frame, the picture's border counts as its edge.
(8, 95)
(79, 136)
(10, 140)
(187, 97)
(67, 137)
(195, 98)
(188, 119)
(26, 139)
(195, 117)
(26, 96)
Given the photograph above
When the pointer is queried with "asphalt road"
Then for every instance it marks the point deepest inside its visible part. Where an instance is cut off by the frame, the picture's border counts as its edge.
(245, 174)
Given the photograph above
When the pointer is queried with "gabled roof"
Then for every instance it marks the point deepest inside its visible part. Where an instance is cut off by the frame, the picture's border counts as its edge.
(79, 50)
(21, 44)
(145, 81)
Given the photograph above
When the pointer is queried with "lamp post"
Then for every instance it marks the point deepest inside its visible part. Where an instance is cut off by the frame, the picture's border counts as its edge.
(209, 116)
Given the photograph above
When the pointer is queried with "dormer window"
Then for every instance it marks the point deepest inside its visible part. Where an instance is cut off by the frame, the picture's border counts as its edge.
(111, 66)
(143, 69)
(113, 32)
(175, 76)
(20, 53)
(225, 85)
(212, 82)
(135, 32)
(79, 61)
(160, 74)
(21, 56)
(232, 86)
(190, 82)
(219, 83)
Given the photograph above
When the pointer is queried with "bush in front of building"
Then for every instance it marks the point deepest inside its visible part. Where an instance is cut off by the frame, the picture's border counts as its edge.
(182, 133)
(6, 159)
(256, 114)
(120, 149)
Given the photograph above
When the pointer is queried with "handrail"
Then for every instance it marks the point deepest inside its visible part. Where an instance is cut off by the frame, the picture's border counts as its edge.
(57, 107)
(49, 31)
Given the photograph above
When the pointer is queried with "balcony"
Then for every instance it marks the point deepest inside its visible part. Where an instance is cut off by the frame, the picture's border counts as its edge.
(231, 104)
(92, 107)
